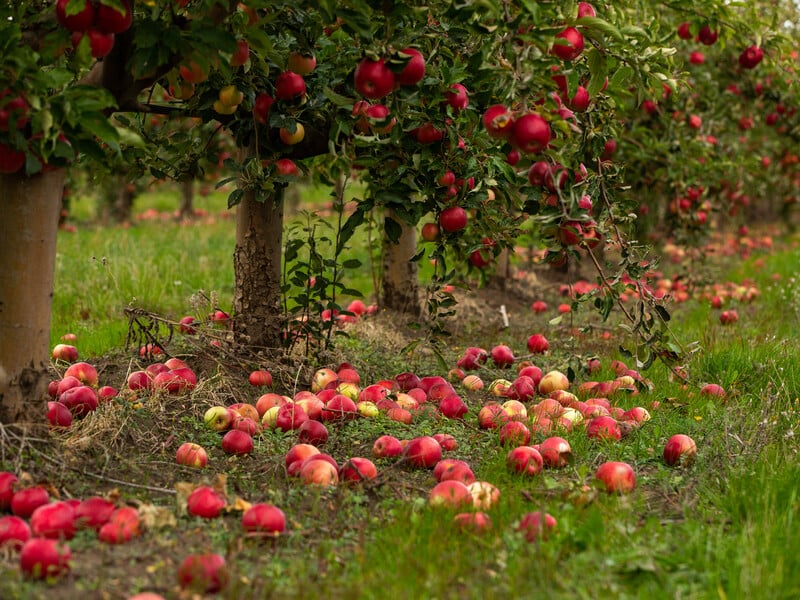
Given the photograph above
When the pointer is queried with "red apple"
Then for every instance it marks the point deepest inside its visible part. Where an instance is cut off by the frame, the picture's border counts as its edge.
(456, 470)
(261, 107)
(603, 428)
(242, 54)
(55, 521)
(14, 532)
(502, 356)
(414, 70)
(423, 452)
(260, 377)
(707, 36)
(318, 472)
(474, 522)
(453, 407)
(289, 86)
(530, 133)
(453, 219)
(386, 446)
(524, 459)
(538, 344)
(684, 31)
(193, 455)
(457, 96)
(679, 449)
(491, 416)
(122, 526)
(264, 519)
(41, 558)
(100, 43)
(569, 44)
(498, 121)
(237, 442)
(450, 494)
(358, 469)
(586, 10)
(750, 57)
(446, 441)
(7, 483)
(616, 477)
(205, 502)
(93, 513)
(58, 414)
(84, 372)
(536, 525)
(110, 20)
(27, 500)
(556, 452)
(373, 79)
(203, 573)
(76, 22)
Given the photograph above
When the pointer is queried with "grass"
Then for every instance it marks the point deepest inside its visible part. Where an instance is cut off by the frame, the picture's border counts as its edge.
(720, 528)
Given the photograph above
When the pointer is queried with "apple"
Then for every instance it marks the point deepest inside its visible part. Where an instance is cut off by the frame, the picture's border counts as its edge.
(231, 96)
(300, 452)
(536, 525)
(11, 161)
(532, 371)
(453, 219)
(423, 452)
(358, 469)
(569, 44)
(414, 69)
(603, 428)
(260, 378)
(203, 573)
(636, 415)
(14, 532)
(237, 442)
(580, 100)
(373, 79)
(680, 449)
(261, 107)
(427, 133)
(538, 344)
(491, 416)
(80, 21)
(139, 380)
(318, 472)
(484, 494)
(58, 414)
(446, 441)
(290, 138)
(472, 383)
(242, 54)
(530, 133)
(386, 446)
(523, 388)
(525, 460)
(122, 526)
(65, 352)
(707, 36)
(205, 502)
(556, 452)
(107, 393)
(300, 63)
(450, 494)
(110, 20)
(474, 522)
(457, 96)
(750, 57)
(684, 31)
(323, 378)
(498, 121)
(289, 86)
(339, 407)
(712, 390)
(727, 317)
(7, 483)
(553, 380)
(502, 356)
(267, 401)
(100, 43)
(616, 477)
(192, 455)
(456, 470)
(42, 558)
(93, 513)
(586, 10)
(218, 418)
(264, 519)
(27, 500)
(453, 407)
(54, 521)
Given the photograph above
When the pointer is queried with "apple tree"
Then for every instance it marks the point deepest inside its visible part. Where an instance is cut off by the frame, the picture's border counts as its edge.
(508, 122)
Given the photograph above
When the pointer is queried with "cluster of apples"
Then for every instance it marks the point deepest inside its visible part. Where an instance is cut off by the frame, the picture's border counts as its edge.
(40, 527)
(77, 392)
(97, 21)
(749, 58)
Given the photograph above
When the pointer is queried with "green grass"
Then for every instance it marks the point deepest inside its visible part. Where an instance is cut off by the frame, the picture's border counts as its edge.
(720, 528)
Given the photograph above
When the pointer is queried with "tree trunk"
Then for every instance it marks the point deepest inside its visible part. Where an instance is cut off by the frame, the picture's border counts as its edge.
(501, 277)
(400, 286)
(186, 209)
(257, 266)
(30, 208)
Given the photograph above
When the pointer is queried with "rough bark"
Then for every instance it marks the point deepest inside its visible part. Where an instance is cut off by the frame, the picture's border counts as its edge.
(257, 265)
(501, 276)
(30, 208)
(186, 209)
(400, 285)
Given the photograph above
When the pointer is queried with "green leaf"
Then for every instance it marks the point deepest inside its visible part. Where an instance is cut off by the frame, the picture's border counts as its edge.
(621, 77)
(600, 25)
(393, 229)
(235, 197)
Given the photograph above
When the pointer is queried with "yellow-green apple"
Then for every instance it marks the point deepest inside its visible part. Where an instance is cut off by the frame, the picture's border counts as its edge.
(553, 380)
(302, 64)
(219, 418)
